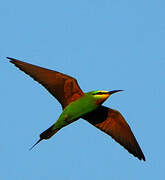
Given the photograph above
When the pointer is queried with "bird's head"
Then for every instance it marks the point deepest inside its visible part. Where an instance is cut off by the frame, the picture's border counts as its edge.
(100, 96)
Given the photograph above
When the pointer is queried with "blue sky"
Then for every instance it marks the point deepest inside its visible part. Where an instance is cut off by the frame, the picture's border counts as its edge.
(104, 44)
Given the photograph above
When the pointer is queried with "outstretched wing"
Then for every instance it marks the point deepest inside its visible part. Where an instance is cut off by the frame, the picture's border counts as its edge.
(63, 87)
(113, 123)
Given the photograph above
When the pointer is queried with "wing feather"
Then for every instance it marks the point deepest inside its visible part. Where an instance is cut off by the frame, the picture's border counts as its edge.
(63, 87)
(113, 123)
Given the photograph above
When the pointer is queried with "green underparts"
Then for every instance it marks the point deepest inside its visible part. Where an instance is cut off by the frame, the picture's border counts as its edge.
(75, 110)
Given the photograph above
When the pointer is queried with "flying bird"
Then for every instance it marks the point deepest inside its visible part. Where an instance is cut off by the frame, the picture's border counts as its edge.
(77, 104)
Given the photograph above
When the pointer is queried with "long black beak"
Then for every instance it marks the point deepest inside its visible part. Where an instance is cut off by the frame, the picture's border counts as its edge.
(114, 91)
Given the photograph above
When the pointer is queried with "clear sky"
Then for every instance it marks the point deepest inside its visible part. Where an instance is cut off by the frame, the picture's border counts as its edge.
(106, 45)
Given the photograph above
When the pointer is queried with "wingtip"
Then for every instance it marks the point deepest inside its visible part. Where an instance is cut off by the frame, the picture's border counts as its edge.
(143, 158)
(11, 59)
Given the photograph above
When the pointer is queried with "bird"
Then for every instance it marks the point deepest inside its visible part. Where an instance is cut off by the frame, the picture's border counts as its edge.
(76, 104)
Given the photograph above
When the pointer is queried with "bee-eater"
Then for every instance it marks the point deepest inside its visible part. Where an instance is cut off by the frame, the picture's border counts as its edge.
(77, 104)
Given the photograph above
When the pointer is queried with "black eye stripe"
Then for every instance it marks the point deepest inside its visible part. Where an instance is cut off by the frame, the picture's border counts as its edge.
(99, 93)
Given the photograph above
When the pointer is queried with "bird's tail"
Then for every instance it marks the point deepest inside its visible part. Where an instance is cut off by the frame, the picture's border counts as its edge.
(46, 135)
